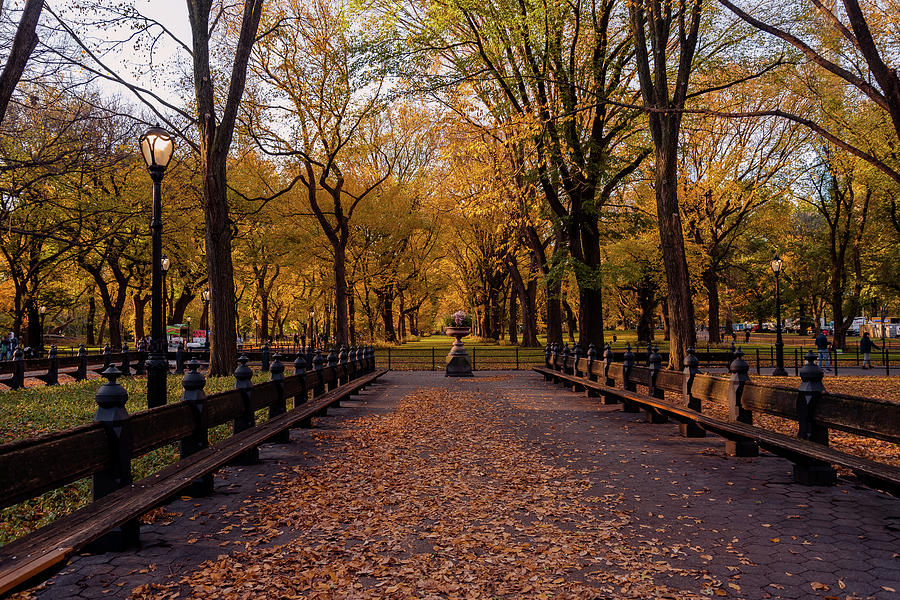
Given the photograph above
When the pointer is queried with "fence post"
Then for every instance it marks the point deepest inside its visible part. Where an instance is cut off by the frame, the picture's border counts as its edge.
(52, 377)
(111, 398)
(342, 360)
(139, 363)
(736, 384)
(126, 363)
(577, 387)
(608, 381)
(627, 384)
(179, 358)
(654, 416)
(517, 357)
(808, 471)
(473, 357)
(691, 370)
(302, 396)
(18, 378)
(566, 355)
(796, 363)
(279, 407)
(757, 361)
(318, 367)
(433, 362)
(194, 396)
(592, 358)
(243, 376)
(389, 358)
(81, 371)
(351, 363)
(265, 357)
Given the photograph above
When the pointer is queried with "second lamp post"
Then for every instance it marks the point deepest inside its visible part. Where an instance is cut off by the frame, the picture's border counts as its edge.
(776, 265)
(157, 147)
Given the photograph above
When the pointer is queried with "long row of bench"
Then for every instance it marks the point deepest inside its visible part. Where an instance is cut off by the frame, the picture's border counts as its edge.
(105, 449)
(813, 410)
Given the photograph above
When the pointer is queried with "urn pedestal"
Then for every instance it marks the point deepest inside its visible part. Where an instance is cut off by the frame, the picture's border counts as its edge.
(459, 363)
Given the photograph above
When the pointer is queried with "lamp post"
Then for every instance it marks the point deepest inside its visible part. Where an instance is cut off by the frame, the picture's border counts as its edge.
(190, 332)
(157, 147)
(204, 295)
(164, 264)
(776, 265)
(43, 312)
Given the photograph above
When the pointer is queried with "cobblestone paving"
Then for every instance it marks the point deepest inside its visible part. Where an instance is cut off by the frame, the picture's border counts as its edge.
(724, 527)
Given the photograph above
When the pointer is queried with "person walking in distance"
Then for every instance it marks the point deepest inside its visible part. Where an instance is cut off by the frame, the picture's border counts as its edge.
(866, 345)
(822, 347)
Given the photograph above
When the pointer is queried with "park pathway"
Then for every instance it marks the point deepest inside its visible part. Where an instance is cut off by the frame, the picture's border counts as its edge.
(502, 486)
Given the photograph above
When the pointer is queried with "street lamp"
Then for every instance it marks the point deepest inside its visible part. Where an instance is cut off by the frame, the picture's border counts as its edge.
(204, 295)
(776, 265)
(43, 311)
(157, 147)
(164, 264)
(190, 332)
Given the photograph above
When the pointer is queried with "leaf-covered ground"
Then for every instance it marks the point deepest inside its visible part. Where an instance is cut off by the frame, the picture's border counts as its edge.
(437, 499)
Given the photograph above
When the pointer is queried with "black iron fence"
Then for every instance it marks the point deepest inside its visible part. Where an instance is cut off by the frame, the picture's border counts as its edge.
(761, 360)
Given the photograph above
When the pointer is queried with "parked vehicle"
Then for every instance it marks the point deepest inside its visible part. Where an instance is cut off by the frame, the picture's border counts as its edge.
(855, 326)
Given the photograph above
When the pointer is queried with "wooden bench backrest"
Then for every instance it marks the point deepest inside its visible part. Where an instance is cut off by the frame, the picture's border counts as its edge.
(868, 417)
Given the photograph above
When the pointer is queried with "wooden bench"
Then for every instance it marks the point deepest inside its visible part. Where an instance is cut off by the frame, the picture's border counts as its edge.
(812, 459)
(26, 561)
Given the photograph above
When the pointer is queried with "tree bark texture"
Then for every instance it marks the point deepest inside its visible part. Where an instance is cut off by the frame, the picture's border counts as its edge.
(215, 143)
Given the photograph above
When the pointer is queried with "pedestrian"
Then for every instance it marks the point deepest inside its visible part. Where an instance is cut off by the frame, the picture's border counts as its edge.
(822, 346)
(296, 340)
(4, 349)
(866, 345)
(13, 344)
(746, 336)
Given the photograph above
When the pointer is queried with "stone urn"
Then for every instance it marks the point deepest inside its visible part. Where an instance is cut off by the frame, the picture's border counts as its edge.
(459, 364)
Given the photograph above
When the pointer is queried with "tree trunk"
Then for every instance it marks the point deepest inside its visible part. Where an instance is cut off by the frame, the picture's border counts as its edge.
(646, 297)
(351, 314)
(554, 312)
(102, 331)
(342, 309)
(571, 321)
(215, 143)
(590, 312)
(91, 316)
(513, 317)
(386, 300)
(23, 45)
(179, 305)
(223, 343)
(682, 334)
(401, 324)
(33, 333)
(139, 302)
(495, 332)
(711, 283)
(667, 322)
